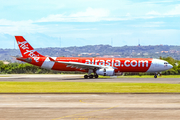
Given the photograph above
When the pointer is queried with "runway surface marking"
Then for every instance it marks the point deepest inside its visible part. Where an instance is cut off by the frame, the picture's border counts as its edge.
(85, 118)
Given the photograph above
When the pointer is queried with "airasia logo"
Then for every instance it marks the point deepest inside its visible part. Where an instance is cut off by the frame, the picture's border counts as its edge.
(24, 45)
(118, 63)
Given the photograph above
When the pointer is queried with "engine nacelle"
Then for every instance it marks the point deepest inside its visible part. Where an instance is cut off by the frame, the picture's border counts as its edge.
(105, 72)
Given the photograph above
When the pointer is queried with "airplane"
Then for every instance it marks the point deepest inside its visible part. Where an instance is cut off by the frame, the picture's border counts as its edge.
(93, 66)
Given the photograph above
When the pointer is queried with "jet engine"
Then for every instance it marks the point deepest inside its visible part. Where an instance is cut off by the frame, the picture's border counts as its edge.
(105, 72)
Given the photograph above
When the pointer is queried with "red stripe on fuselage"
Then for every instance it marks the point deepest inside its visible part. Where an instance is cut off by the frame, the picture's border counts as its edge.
(122, 64)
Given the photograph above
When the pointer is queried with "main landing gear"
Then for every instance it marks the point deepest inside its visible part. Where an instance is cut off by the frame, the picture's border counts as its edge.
(90, 76)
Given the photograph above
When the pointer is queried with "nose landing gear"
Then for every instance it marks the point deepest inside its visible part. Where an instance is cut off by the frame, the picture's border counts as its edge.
(155, 75)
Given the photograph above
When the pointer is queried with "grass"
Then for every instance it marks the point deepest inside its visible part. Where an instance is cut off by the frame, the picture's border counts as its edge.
(86, 87)
(144, 76)
(4, 76)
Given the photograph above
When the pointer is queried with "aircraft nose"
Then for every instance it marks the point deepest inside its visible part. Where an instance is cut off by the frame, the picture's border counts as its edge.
(170, 66)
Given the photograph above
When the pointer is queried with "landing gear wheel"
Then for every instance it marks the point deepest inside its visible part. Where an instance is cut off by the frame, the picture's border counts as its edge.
(96, 76)
(85, 76)
(155, 76)
(90, 76)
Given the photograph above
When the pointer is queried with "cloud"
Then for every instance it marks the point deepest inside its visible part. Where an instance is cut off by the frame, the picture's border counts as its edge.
(19, 27)
(175, 11)
(90, 15)
(44, 24)
(149, 25)
(128, 14)
(9, 22)
(53, 18)
(153, 13)
(90, 12)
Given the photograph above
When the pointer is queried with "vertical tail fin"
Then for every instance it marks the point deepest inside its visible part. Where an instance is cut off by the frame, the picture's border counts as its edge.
(26, 49)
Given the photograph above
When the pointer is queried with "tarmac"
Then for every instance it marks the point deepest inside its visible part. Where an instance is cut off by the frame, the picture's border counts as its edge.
(79, 78)
(89, 106)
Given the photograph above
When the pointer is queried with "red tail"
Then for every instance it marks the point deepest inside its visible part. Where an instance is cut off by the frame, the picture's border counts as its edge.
(26, 49)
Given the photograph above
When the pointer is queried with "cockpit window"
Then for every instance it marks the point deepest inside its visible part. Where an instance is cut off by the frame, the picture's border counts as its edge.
(166, 63)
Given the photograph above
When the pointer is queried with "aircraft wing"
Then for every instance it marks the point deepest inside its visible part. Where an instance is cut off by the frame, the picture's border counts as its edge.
(81, 65)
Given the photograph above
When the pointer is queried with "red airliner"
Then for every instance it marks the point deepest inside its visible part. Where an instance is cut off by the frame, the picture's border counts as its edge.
(92, 66)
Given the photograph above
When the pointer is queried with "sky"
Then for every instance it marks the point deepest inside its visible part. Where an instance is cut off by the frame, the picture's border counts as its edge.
(60, 23)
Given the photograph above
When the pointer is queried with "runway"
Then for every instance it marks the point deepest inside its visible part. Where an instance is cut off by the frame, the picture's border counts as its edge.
(79, 78)
(89, 106)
